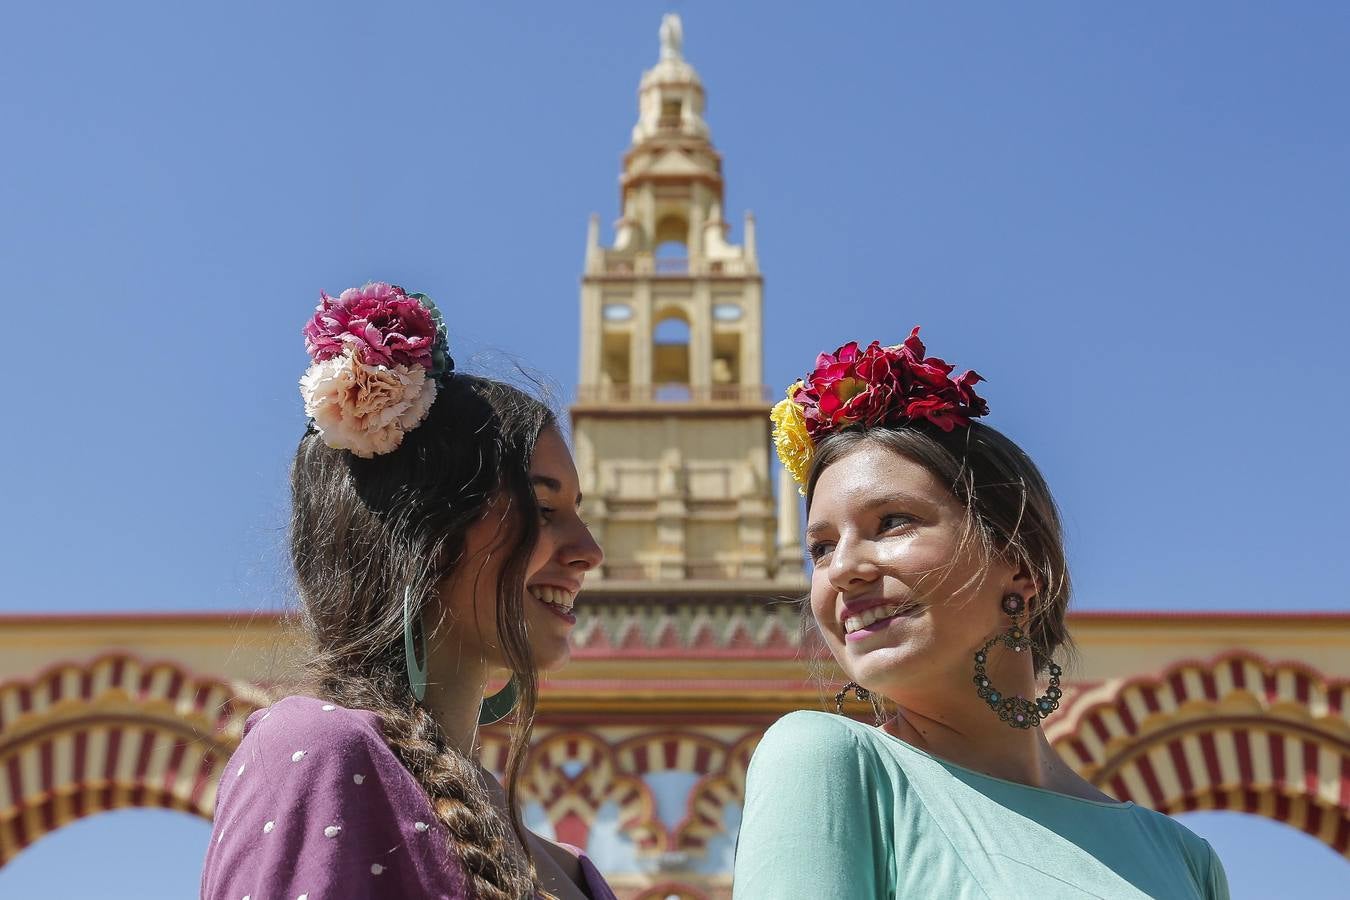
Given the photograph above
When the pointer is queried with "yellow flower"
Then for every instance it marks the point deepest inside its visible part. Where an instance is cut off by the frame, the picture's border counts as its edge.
(790, 438)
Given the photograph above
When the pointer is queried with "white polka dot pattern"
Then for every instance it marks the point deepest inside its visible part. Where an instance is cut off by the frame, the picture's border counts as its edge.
(312, 829)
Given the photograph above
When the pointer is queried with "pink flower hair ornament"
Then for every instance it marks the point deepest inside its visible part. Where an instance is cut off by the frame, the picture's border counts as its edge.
(865, 388)
(378, 352)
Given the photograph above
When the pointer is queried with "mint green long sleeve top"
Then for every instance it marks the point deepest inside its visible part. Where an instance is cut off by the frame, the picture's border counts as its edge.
(837, 810)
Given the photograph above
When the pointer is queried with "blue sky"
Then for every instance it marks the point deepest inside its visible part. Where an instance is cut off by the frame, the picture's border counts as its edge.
(1130, 219)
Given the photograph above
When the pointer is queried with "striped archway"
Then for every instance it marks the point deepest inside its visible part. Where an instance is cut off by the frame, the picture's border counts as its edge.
(712, 794)
(115, 732)
(1237, 733)
(670, 751)
(572, 774)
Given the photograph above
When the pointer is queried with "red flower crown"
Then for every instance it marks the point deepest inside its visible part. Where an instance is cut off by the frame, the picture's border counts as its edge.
(866, 388)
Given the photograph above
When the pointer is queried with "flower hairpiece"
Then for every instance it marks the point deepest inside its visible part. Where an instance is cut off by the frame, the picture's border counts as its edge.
(377, 353)
(865, 388)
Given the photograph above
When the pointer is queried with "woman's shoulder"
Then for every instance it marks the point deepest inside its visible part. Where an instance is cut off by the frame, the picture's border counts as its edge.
(817, 801)
(814, 726)
(314, 802)
(1163, 824)
(309, 739)
(1199, 855)
(828, 730)
(808, 740)
(314, 721)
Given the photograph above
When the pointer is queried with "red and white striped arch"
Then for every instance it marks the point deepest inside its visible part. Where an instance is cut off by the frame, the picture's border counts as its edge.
(572, 801)
(1237, 732)
(694, 753)
(712, 794)
(111, 733)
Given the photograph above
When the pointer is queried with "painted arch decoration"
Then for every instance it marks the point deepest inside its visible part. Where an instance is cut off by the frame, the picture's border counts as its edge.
(572, 773)
(712, 794)
(115, 732)
(1236, 733)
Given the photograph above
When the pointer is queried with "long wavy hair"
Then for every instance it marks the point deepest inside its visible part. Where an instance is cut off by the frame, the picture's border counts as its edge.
(366, 531)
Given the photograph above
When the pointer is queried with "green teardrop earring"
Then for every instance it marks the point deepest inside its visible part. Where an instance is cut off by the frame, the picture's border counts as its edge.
(494, 708)
(499, 705)
(417, 672)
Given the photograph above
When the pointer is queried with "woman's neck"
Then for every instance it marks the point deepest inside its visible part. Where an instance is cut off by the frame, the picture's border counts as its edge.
(454, 697)
(1015, 754)
(955, 724)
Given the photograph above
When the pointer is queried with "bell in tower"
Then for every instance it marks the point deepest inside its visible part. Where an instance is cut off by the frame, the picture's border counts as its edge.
(671, 419)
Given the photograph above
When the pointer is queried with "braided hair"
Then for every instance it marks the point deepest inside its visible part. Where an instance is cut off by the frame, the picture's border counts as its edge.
(367, 532)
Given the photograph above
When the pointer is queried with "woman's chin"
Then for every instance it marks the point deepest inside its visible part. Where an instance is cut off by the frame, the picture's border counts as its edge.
(883, 666)
(553, 656)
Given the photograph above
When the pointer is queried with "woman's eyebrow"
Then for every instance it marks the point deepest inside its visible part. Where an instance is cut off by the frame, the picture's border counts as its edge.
(551, 483)
(816, 528)
(867, 506)
(899, 497)
(547, 481)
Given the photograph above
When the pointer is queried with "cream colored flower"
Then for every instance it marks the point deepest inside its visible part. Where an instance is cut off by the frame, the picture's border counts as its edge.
(362, 408)
(790, 438)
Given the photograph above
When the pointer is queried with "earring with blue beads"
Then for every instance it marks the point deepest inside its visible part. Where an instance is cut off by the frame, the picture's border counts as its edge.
(1018, 712)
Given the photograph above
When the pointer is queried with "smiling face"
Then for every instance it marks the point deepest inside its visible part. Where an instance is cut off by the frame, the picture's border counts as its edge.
(900, 602)
(563, 553)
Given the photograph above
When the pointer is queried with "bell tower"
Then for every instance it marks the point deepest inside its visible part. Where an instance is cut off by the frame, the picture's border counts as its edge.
(671, 420)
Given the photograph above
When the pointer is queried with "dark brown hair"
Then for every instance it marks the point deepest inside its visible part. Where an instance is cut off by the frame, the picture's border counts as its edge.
(364, 532)
(1010, 511)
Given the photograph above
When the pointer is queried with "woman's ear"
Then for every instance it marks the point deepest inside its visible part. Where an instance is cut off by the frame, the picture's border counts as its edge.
(1024, 582)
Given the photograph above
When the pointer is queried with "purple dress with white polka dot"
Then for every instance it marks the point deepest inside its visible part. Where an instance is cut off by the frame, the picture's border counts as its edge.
(315, 806)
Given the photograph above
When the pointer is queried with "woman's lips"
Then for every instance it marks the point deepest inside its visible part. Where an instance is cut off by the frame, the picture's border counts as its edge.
(862, 623)
(565, 614)
(557, 600)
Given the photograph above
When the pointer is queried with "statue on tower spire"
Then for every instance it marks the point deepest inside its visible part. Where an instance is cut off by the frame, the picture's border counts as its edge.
(672, 36)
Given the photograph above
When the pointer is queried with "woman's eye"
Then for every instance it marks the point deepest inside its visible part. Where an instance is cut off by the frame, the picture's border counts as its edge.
(895, 520)
(817, 551)
(546, 513)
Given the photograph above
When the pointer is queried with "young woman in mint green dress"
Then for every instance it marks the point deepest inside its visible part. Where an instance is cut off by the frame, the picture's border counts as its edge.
(940, 587)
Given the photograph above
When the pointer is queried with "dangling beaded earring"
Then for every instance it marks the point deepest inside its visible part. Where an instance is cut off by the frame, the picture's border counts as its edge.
(1018, 712)
(859, 692)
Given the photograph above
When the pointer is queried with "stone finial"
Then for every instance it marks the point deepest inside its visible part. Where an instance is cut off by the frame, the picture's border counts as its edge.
(672, 36)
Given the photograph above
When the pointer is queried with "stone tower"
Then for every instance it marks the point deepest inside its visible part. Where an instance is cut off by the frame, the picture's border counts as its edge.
(670, 423)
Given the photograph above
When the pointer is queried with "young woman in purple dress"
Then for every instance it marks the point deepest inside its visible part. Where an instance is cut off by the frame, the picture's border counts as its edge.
(436, 542)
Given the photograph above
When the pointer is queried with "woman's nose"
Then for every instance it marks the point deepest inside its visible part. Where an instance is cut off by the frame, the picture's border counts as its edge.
(852, 564)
